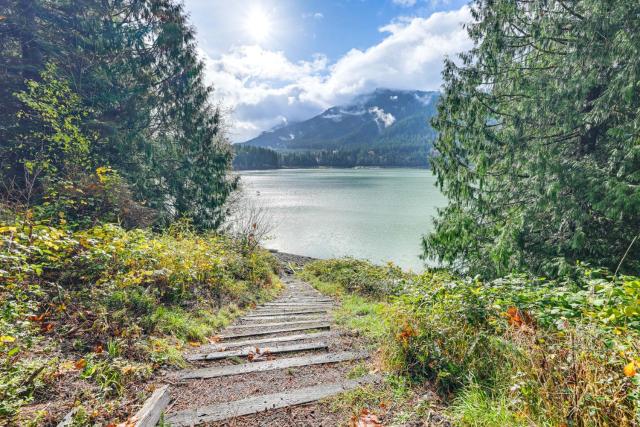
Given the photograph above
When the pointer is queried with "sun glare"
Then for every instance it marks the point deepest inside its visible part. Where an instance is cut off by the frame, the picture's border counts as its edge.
(258, 24)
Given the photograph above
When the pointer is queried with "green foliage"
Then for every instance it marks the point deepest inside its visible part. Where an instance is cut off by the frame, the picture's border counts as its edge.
(514, 350)
(111, 84)
(474, 407)
(55, 145)
(357, 276)
(113, 304)
(555, 351)
(538, 148)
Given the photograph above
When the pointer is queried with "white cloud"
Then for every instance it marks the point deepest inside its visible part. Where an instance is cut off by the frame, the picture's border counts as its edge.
(383, 118)
(316, 15)
(264, 86)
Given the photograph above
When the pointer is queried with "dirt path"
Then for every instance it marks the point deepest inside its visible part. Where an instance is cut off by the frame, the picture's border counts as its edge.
(270, 368)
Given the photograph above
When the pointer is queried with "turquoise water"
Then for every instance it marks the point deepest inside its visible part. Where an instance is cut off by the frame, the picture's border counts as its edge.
(376, 214)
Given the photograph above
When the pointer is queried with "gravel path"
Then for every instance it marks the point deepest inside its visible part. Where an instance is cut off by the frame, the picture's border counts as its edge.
(209, 401)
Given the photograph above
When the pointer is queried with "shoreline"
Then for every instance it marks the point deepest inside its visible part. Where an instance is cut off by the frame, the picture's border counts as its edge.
(334, 167)
(288, 260)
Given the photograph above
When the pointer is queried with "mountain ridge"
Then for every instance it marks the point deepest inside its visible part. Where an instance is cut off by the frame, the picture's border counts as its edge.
(386, 127)
(365, 120)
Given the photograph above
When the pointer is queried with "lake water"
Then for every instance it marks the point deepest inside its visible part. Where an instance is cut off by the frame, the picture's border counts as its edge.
(376, 214)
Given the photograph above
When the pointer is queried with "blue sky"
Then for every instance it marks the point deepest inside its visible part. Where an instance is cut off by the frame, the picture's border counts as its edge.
(273, 61)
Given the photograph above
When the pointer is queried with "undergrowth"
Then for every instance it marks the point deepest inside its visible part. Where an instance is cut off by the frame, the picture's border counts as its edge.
(87, 316)
(513, 351)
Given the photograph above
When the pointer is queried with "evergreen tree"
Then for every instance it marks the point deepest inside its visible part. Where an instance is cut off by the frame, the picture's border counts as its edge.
(539, 139)
(134, 66)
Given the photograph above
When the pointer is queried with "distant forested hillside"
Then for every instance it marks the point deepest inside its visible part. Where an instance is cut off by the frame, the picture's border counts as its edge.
(409, 155)
(383, 128)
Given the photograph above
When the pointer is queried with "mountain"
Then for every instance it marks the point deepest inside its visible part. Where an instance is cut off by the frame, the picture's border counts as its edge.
(384, 128)
(386, 115)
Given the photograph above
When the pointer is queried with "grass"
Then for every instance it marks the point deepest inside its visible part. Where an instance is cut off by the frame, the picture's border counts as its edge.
(512, 351)
(474, 408)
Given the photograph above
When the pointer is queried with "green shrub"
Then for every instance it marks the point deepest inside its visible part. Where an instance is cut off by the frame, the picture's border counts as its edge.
(512, 351)
(117, 299)
(555, 351)
(358, 276)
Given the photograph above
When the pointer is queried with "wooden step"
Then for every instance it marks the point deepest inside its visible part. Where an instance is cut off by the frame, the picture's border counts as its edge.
(291, 362)
(275, 349)
(259, 332)
(254, 342)
(311, 304)
(294, 318)
(252, 405)
(287, 311)
(275, 325)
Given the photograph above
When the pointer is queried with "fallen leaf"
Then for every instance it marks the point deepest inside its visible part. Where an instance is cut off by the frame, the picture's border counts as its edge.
(194, 344)
(214, 339)
(80, 364)
(37, 318)
(630, 369)
(6, 338)
(98, 349)
(126, 370)
(366, 419)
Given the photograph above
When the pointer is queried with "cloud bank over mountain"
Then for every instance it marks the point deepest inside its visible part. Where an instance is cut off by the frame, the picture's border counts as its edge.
(266, 88)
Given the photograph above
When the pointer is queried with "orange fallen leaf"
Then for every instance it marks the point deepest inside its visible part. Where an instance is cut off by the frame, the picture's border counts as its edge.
(406, 333)
(98, 349)
(47, 327)
(630, 369)
(35, 318)
(366, 419)
(126, 370)
(194, 343)
(80, 364)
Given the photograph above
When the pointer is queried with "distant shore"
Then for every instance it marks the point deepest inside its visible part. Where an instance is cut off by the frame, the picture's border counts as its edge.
(332, 167)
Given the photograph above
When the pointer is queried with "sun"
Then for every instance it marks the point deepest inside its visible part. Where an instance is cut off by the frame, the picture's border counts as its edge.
(258, 24)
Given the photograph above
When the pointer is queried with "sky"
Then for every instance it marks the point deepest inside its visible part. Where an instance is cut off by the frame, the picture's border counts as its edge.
(278, 61)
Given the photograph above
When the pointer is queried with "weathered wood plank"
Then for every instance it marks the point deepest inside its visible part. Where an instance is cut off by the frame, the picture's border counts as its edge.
(317, 317)
(255, 333)
(252, 405)
(288, 311)
(275, 324)
(151, 411)
(286, 338)
(291, 362)
(298, 304)
(252, 350)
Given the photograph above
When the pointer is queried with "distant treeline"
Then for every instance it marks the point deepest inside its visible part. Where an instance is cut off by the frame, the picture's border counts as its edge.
(248, 157)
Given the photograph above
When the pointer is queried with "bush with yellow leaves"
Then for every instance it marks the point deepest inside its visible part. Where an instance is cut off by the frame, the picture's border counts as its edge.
(112, 304)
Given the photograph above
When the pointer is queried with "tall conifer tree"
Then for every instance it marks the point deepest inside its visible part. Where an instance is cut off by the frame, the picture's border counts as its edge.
(539, 139)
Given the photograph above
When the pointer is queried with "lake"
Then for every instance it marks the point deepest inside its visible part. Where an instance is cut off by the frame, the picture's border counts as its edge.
(376, 214)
